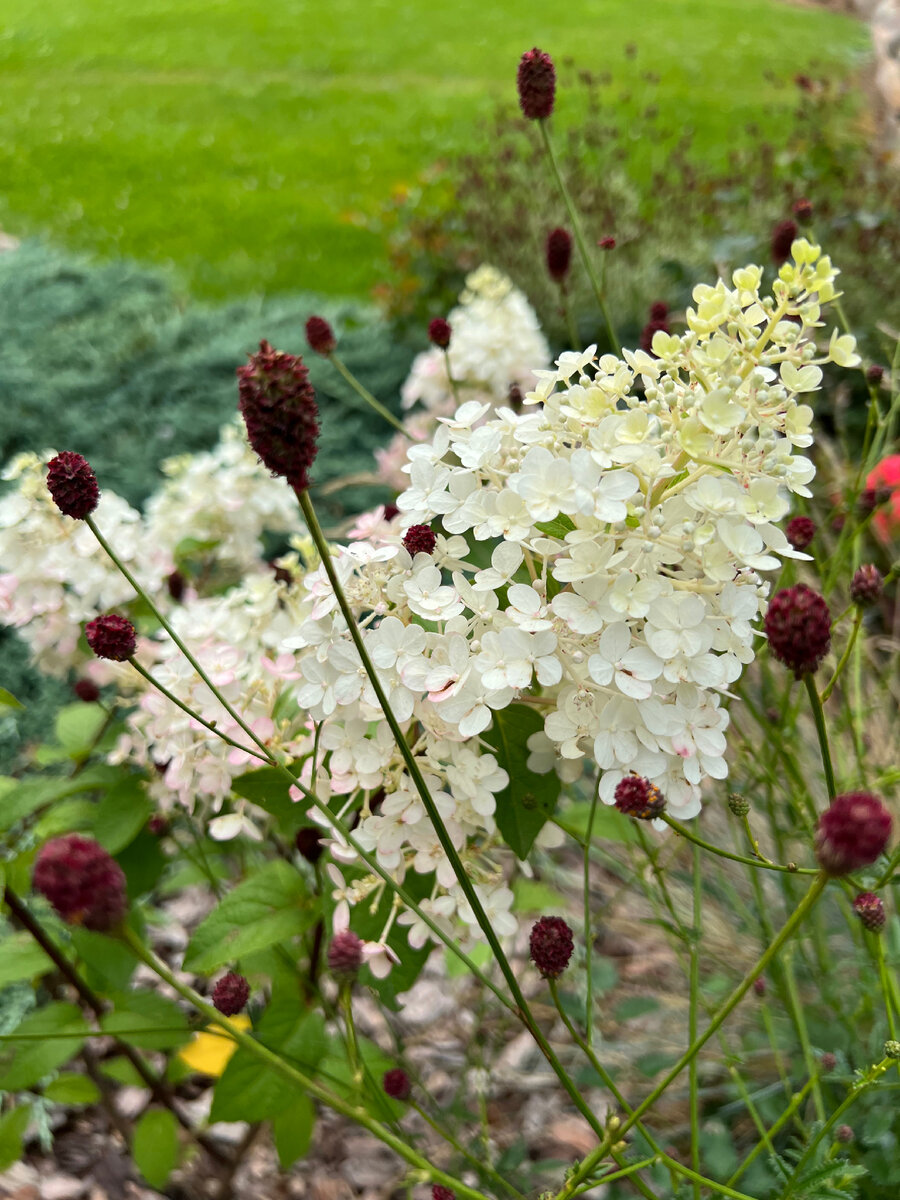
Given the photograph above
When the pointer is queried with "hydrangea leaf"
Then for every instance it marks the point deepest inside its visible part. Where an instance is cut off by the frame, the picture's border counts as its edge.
(528, 801)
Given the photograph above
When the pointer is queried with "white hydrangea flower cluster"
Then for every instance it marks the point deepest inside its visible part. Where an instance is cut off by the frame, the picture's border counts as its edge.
(223, 498)
(496, 343)
(54, 577)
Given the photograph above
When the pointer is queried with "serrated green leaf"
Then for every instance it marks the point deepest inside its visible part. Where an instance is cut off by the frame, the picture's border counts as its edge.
(271, 906)
(72, 1088)
(155, 1146)
(122, 1071)
(12, 1129)
(292, 1129)
(68, 816)
(21, 958)
(165, 1024)
(77, 728)
(529, 800)
(8, 700)
(33, 793)
(27, 1062)
(122, 814)
(107, 963)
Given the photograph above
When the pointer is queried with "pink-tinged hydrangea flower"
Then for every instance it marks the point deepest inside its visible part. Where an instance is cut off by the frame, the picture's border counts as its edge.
(83, 883)
(853, 832)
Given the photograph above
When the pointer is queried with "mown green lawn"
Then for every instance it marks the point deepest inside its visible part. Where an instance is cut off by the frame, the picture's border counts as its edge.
(246, 142)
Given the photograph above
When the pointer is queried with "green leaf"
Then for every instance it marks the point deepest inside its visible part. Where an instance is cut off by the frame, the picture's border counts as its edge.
(609, 824)
(558, 527)
(165, 1024)
(21, 958)
(524, 806)
(68, 816)
(143, 862)
(27, 1062)
(271, 906)
(8, 700)
(12, 1129)
(78, 727)
(292, 1128)
(269, 789)
(155, 1146)
(122, 1070)
(636, 1006)
(531, 895)
(107, 963)
(337, 1073)
(122, 814)
(248, 1090)
(480, 955)
(33, 793)
(72, 1089)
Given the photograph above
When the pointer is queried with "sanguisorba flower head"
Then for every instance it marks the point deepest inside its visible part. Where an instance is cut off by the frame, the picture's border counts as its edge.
(551, 944)
(111, 636)
(559, 254)
(870, 910)
(72, 484)
(278, 405)
(853, 831)
(439, 332)
(396, 1084)
(800, 532)
(866, 585)
(783, 236)
(798, 626)
(345, 954)
(320, 336)
(536, 84)
(230, 994)
(638, 797)
(82, 881)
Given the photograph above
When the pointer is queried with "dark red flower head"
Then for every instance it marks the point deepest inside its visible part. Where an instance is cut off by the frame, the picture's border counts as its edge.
(320, 336)
(396, 1084)
(72, 484)
(853, 831)
(658, 321)
(439, 1192)
(536, 83)
(783, 236)
(870, 910)
(803, 209)
(420, 539)
(559, 253)
(800, 531)
(638, 797)
(551, 945)
(875, 374)
(759, 985)
(112, 637)
(345, 954)
(82, 882)
(866, 585)
(439, 333)
(798, 626)
(309, 843)
(279, 409)
(230, 994)
(607, 243)
(86, 690)
(828, 1061)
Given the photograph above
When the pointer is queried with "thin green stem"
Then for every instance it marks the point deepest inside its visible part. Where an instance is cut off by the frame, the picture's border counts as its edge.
(693, 1013)
(794, 921)
(794, 1104)
(821, 733)
(885, 981)
(579, 237)
(346, 1003)
(845, 657)
(760, 864)
(812, 1068)
(454, 386)
(434, 816)
(479, 1164)
(291, 1073)
(365, 394)
(588, 934)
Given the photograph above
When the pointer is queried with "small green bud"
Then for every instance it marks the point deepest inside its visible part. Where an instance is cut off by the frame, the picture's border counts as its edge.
(738, 804)
(892, 1049)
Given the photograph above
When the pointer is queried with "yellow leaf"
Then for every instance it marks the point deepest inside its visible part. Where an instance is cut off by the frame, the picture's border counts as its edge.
(210, 1051)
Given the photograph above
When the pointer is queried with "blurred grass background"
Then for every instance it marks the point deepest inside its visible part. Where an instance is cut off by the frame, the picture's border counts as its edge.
(248, 146)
